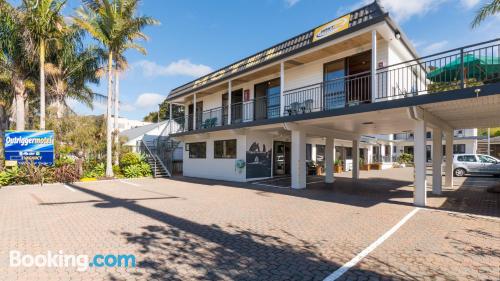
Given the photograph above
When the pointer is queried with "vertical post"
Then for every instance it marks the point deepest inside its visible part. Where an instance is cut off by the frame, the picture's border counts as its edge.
(374, 66)
(329, 158)
(194, 111)
(420, 192)
(489, 142)
(437, 160)
(462, 68)
(170, 117)
(449, 159)
(186, 118)
(355, 159)
(298, 159)
(229, 101)
(282, 88)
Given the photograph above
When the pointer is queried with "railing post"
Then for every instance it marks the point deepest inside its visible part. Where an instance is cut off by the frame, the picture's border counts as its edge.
(194, 112)
(462, 68)
(170, 117)
(282, 88)
(229, 99)
(374, 66)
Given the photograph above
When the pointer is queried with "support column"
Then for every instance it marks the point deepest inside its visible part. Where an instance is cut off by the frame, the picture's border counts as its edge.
(194, 111)
(282, 88)
(170, 117)
(298, 160)
(374, 65)
(186, 117)
(369, 154)
(329, 158)
(437, 160)
(355, 159)
(420, 192)
(448, 181)
(229, 98)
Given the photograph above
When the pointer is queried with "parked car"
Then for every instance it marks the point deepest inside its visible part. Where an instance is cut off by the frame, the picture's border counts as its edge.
(475, 164)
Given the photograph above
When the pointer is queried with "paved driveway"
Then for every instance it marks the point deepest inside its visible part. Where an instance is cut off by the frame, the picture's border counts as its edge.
(188, 229)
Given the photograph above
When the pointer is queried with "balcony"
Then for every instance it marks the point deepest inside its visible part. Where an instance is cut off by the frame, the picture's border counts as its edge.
(469, 66)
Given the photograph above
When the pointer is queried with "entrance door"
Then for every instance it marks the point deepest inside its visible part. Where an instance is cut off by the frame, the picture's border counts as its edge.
(359, 81)
(237, 106)
(199, 114)
(281, 158)
(267, 99)
(190, 117)
(334, 85)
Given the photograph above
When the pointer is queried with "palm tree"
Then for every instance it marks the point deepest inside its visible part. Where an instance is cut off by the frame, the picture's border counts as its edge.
(16, 68)
(113, 23)
(73, 67)
(120, 66)
(44, 21)
(485, 11)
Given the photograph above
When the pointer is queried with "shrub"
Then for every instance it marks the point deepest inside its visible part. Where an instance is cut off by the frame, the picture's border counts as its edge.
(64, 160)
(405, 158)
(66, 174)
(7, 177)
(130, 158)
(99, 170)
(133, 171)
(117, 170)
(145, 169)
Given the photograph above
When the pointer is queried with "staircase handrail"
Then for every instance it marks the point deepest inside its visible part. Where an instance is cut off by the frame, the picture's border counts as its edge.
(156, 159)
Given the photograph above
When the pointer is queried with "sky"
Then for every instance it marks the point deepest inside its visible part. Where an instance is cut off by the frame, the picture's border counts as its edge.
(198, 36)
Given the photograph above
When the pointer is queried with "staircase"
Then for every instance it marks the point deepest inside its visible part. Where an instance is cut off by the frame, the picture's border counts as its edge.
(158, 169)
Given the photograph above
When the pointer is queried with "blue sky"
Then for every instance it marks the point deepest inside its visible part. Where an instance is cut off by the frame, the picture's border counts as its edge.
(196, 37)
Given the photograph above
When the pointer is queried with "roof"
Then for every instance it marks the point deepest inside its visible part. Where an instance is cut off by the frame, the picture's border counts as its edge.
(360, 18)
(142, 130)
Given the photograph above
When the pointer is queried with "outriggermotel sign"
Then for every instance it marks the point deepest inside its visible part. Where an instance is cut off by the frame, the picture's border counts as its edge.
(24, 146)
(331, 28)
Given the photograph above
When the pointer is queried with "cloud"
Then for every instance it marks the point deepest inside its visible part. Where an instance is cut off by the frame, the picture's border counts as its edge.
(435, 47)
(125, 107)
(149, 100)
(180, 67)
(290, 3)
(469, 3)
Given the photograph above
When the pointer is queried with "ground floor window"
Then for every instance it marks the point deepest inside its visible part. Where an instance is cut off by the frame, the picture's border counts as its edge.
(458, 148)
(197, 149)
(320, 153)
(308, 151)
(225, 149)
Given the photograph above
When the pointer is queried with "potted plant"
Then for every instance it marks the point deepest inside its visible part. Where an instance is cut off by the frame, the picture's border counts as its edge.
(320, 169)
(376, 166)
(338, 166)
(364, 167)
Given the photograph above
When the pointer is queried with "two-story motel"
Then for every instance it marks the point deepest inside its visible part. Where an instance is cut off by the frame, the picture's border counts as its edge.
(355, 76)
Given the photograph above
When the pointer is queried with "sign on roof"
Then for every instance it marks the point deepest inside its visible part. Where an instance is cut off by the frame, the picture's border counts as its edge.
(332, 27)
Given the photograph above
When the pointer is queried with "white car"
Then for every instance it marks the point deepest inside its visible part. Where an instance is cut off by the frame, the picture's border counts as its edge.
(475, 164)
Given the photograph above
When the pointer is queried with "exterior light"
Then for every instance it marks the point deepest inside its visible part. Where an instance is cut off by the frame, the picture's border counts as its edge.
(397, 35)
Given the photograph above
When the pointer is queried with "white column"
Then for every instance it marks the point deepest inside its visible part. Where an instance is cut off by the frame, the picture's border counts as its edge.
(229, 107)
(194, 111)
(369, 154)
(437, 160)
(420, 193)
(448, 170)
(355, 159)
(282, 88)
(298, 160)
(170, 117)
(329, 158)
(374, 65)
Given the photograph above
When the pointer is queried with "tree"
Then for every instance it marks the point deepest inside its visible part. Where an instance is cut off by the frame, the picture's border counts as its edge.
(16, 67)
(45, 23)
(177, 111)
(489, 9)
(114, 25)
(73, 66)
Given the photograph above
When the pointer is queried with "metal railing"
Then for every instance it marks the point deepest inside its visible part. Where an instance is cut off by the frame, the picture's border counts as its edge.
(468, 66)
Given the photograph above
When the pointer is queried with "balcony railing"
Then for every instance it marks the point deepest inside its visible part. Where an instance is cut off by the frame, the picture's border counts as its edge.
(469, 66)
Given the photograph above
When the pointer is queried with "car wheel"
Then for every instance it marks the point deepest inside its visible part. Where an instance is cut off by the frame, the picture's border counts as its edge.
(459, 172)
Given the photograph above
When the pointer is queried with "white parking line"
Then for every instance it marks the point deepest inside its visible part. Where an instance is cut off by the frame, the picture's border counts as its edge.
(130, 183)
(70, 188)
(339, 272)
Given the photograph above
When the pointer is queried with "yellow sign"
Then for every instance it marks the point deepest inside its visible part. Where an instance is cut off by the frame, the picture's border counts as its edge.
(332, 27)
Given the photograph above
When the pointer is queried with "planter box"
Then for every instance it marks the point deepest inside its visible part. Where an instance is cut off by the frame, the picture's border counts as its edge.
(376, 166)
(338, 169)
(365, 167)
(320, 171)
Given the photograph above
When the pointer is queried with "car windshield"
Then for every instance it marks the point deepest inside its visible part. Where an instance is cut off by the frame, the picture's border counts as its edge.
(487, 159)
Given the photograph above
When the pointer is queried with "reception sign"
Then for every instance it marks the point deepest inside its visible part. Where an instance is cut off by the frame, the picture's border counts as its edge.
(23, 146)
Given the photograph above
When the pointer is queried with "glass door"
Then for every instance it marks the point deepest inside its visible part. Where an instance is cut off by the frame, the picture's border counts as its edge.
(334, 85)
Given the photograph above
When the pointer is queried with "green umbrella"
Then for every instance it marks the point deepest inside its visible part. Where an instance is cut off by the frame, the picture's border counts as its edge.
(482, 68)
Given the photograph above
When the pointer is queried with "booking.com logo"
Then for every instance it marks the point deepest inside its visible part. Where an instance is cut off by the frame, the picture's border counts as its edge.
(59, 259)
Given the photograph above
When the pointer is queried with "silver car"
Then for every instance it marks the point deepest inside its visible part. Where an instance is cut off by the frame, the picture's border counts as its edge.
(475, 164)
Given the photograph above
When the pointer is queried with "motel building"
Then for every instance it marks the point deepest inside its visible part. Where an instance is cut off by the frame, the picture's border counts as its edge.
(348, 89)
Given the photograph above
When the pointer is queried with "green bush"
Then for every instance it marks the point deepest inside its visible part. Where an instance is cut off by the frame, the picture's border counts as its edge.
(405, 158)
(137, 170)
(98, 171)
(64, 160)
(117, 171)
(7, 177)
(130, 158)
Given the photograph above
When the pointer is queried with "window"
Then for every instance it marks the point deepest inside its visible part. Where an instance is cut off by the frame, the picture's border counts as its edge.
(394, 149)
(466, 158)
(428, 152)
(197, 149)
(486, 159)
(428, 135)
(320, 153)
(458, 148)
(308, 151)
(225, 149)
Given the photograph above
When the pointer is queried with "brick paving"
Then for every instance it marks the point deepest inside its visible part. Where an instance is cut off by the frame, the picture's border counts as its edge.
(190, 229)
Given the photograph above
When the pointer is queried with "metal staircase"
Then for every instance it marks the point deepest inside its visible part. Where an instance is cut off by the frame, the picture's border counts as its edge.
(158, 169)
